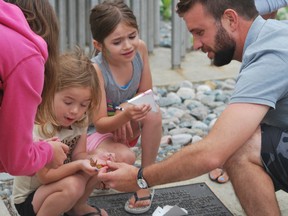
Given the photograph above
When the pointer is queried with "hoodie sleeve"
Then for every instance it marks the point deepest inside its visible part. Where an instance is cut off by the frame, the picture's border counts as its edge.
(22, 94)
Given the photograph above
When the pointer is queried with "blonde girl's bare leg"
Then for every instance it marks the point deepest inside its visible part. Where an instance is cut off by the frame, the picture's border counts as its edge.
(58, 197)
(106, 150)
(81, 207)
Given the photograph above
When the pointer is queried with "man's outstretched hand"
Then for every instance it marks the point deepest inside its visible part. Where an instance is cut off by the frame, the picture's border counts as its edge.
(119, 176)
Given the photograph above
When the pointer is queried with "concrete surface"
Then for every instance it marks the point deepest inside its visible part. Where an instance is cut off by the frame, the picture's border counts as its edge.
(195, 67)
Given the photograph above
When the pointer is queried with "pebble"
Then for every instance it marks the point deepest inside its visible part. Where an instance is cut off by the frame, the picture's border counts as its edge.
(189, 111)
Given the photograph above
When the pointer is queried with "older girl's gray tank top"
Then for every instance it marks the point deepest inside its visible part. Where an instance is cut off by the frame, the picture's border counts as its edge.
(116, 94)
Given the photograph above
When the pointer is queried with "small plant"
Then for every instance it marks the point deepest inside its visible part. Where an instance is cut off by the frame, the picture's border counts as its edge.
(165, 9)
(282, 14)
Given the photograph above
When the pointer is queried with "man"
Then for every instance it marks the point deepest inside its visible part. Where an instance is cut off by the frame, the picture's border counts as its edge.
(268, 10)
(248, 137)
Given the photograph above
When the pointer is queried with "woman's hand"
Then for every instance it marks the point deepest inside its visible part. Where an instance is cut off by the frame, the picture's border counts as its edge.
(59, 153)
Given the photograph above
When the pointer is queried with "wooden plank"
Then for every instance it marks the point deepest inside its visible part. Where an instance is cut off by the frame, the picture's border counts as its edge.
(156, 12)
(72, 34)
(74, 26)
(81, 24)
(62, 13)
(150, 25)
(176, 38)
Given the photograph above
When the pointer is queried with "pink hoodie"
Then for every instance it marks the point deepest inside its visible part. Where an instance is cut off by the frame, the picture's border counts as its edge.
(22, 58)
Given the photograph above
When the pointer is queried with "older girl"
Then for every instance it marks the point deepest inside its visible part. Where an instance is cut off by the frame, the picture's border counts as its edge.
(123, 70)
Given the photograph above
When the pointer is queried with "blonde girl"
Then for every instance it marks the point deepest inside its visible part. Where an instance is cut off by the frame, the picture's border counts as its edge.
(55, 191)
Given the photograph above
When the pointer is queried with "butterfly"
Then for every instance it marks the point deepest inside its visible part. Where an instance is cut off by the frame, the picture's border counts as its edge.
(94, 164)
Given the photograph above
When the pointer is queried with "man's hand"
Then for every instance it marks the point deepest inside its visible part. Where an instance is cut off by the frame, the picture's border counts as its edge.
(59, 154)
(122, 177)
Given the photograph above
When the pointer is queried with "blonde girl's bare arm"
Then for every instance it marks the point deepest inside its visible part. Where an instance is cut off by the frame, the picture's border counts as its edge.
(80, 151)
(101, 121)
(47, 176)
(80, 161)
(146, 78)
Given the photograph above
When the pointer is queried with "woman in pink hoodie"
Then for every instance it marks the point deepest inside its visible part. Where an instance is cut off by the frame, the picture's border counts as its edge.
(24, 63)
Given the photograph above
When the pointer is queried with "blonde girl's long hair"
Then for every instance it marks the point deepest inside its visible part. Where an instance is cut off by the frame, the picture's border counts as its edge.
(76, 70)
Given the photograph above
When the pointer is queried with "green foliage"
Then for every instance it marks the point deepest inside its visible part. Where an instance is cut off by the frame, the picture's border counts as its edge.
(282, 14)
(165, 9)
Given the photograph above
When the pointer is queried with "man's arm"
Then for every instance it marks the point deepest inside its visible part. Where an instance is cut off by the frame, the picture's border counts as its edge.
(233, 128)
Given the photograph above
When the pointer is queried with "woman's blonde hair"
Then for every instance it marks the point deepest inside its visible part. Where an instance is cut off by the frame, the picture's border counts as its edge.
(75, 70)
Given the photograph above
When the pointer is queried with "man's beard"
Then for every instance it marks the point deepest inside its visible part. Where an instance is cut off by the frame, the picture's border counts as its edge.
(225, 46)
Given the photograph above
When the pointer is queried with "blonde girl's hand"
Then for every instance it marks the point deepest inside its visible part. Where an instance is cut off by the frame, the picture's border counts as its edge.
(87, 168)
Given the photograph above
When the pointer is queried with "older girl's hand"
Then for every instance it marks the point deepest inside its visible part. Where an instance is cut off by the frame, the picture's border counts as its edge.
(136, 112)
(121, 134)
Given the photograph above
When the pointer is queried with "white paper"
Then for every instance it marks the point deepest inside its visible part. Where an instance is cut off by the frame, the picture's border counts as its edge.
(146, 97)
(170, 211)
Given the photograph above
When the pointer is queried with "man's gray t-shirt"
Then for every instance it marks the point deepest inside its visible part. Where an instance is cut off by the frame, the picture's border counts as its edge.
(263, 77)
